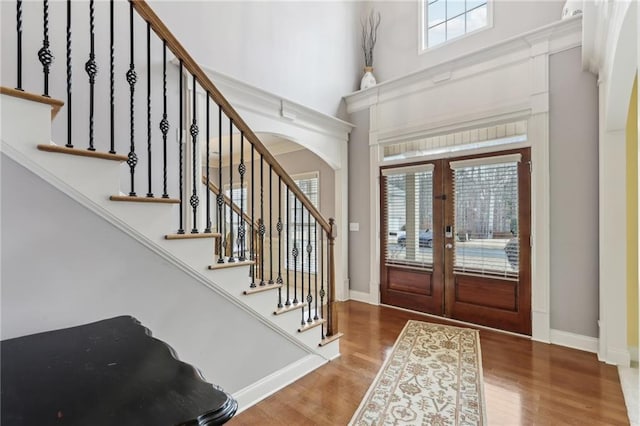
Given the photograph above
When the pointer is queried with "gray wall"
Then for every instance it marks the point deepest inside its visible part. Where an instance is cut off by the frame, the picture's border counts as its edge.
(574, 195)
(359, 203)
(62, 265)
(304, 51)
(303, 161)
(397, 54)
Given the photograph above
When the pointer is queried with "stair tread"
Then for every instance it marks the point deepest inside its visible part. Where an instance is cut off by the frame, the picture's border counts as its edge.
(310, 325)
(141, 199)
(330, 339)
(82, 152)
(187, 236)
(261, 288)
(289, 308)
(56, 104)
(231, 265)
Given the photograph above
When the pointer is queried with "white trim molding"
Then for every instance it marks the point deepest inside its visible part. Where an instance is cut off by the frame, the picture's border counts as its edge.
(575, 341)
(361, 296)
(271, 384)
(403, 110)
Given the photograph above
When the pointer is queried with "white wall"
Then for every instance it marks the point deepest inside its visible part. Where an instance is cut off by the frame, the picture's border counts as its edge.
(573, 152)
(62, 265)
(397, 50)
(304, 51)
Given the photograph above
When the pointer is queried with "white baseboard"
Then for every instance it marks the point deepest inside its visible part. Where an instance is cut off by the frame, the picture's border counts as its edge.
(361, 296)
(269, 385)
(573, 340)
(633, 353)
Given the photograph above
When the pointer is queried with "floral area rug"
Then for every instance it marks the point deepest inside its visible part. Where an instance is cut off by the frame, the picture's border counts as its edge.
(432, 377)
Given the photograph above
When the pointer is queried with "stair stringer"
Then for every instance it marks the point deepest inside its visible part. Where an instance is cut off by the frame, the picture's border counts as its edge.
(146, 223)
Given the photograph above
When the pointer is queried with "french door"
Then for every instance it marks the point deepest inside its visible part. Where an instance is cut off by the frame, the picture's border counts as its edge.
(456, 238)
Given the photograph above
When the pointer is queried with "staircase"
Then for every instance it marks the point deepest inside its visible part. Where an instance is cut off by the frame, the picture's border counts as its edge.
(270, 252)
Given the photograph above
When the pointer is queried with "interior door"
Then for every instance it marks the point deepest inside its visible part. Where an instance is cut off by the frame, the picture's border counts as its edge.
(455, 239)
(411, 271)
(487, 240)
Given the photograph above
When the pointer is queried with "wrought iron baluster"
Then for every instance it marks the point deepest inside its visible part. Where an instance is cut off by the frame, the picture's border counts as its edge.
(194, 201)
(149, 157)
(279, 229)
(270, 225)
(322, 294)
(180, 143)
(112, 82)
(69, 143)
(241, 222)
(44, 54)
(91, 67)
(164, 123)
(262, 228)
(294, 251)
(220, 197)
(132, 158)
(207, 230)
(309, 251)
(288, 302)
(315, 287)
(231, 240)
(253, 247)
(302, 250)
(19, 41)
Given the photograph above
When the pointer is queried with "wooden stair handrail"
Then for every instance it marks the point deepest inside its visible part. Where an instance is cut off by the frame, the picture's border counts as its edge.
(145, 11)
(213, 188)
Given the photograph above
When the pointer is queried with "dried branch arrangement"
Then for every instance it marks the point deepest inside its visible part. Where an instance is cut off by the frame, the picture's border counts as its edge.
(370, 26)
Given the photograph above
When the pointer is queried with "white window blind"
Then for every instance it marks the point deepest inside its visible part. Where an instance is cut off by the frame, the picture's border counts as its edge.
(408, 204)
(486, 217)
(302, 232)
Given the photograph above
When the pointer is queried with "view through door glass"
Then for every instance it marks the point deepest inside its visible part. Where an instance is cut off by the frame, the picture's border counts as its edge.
(456, 239)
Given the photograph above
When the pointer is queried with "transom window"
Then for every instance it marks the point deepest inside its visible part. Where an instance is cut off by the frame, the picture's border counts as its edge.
(445, 20)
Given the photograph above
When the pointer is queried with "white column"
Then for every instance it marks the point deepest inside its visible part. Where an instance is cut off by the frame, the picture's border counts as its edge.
(613, 255)
(538, 134)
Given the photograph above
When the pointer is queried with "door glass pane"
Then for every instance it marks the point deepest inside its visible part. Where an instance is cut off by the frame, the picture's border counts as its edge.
(409, 219)
(486, 219)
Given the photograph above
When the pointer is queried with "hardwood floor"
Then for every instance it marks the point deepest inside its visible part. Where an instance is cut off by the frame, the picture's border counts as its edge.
(525, 382)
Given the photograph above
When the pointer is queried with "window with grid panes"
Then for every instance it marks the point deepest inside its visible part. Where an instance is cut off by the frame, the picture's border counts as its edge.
(445, 20)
